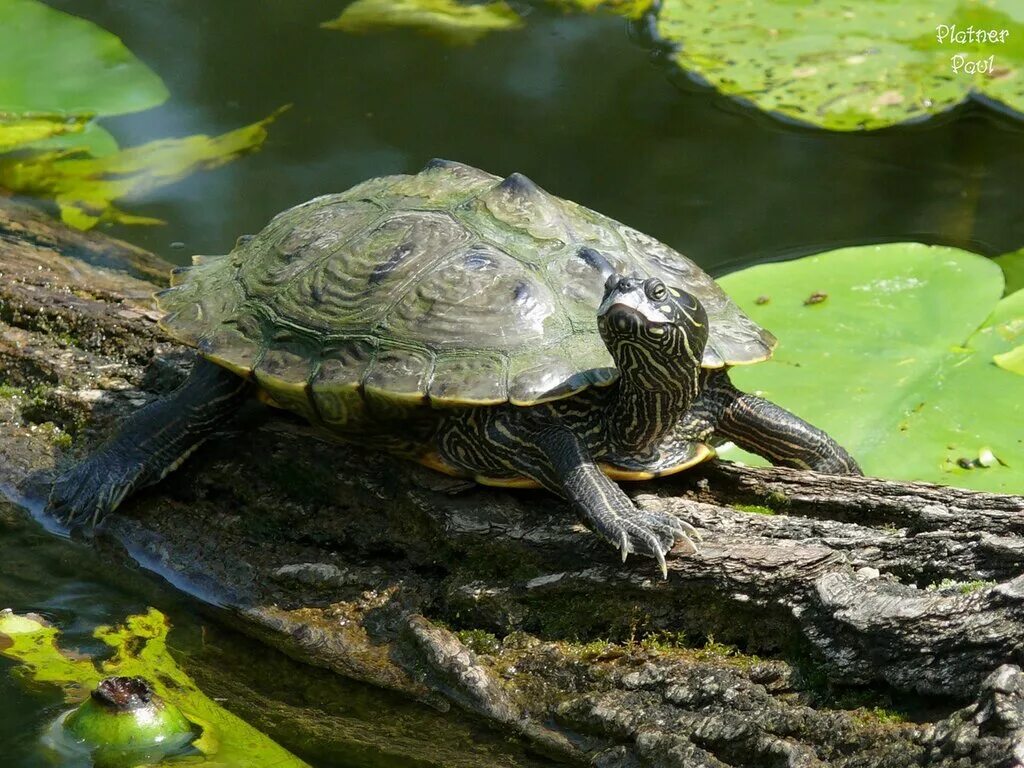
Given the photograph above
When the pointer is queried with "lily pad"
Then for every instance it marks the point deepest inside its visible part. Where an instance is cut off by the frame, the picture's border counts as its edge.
(1012, 265)
(1012, 361)
(897, 360)
(850, 66)
(55, 62)
(85, 187)
(453, 22)
(93, 138)
(139, 650)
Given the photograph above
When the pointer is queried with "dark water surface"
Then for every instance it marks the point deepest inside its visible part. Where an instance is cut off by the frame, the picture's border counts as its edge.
(572, 102)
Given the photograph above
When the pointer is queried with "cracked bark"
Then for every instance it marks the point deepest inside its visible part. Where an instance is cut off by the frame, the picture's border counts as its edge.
(856, 591)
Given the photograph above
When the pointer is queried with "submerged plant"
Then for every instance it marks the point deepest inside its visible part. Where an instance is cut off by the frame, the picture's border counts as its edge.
(460, 23)
(165, 709)
(85, 187)
(449, 20)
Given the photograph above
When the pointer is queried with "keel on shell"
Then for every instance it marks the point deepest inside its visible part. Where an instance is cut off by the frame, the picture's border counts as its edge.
(452, 287)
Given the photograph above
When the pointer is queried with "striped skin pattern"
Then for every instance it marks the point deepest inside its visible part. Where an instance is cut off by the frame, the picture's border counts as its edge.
(459, 320)
(762, 427)
(656, 338)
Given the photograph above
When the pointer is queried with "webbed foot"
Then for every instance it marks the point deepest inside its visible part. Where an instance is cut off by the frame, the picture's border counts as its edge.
(152, 442)
(90, 490)
(566, 467)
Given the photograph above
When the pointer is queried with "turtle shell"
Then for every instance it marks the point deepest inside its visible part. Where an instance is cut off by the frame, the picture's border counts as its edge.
(451, 286)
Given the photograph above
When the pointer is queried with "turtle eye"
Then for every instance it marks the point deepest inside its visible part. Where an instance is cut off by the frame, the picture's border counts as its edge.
(655, 290)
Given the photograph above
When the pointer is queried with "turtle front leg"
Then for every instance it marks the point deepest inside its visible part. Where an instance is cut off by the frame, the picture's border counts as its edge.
(759, 426)
(556, 458)
(567, 468)
(150, 443)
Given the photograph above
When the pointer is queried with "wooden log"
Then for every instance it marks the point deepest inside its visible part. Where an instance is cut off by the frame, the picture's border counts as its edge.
(855, 621)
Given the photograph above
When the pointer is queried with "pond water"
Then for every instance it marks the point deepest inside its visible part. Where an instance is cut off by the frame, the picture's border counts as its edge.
(572, 101)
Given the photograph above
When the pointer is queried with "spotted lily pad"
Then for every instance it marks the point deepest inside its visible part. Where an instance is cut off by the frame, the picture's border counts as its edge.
(848, 66)
(138, 648)
(898, 361)
(453, 22)
(86, 187)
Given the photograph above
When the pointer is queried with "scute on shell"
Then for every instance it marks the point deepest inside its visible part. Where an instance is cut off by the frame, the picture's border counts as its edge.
(451, 286)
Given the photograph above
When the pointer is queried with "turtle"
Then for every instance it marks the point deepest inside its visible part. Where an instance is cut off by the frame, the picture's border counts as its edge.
(478, 325)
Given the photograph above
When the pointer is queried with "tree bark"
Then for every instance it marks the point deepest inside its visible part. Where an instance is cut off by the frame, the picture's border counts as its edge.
(830, 621)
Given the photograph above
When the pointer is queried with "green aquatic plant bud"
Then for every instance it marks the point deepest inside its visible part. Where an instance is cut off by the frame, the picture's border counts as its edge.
(124, 723)
(139, 648)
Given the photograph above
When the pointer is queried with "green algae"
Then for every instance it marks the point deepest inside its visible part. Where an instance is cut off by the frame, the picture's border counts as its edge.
(139, 649)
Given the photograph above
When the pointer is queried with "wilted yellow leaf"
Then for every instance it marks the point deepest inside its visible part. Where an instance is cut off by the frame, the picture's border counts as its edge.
(18, 130)
(85, 187)
(631, 9)
(454, 22)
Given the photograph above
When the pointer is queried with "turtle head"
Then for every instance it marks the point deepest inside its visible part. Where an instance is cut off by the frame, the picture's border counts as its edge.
(657, 335)
(653, 331)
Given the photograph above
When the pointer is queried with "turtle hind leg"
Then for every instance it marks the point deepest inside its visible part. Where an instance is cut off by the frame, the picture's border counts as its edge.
(556, 458)
(149, 444)
(760, 426)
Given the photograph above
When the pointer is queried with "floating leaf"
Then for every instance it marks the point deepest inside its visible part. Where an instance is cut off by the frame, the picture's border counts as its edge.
(1012, 361)
(459, 23)
(56, 72)
(1012, 265)
(55, 62)
(85, 187)
(849, 66)
(140, 649)
(897, 364)
(21, 130)
(631, 9)
(93, 138)
(453, 22)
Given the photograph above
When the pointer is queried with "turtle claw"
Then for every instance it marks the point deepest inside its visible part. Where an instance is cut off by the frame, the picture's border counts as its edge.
(661, 563)
(649, 533)
(687, 531)
(688, 546)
